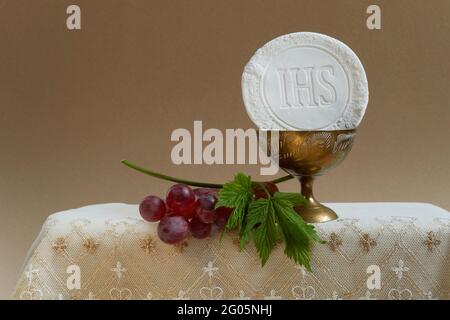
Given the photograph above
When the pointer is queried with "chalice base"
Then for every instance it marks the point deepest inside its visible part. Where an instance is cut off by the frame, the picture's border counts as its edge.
(314, 212)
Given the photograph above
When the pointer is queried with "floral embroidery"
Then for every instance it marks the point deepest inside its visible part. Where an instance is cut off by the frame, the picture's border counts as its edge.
(120, 294)
(119, 270)
(396, 294)
(31, 294)
(303, 293)
(367, 242)
(90, 245)
(210, 269)
(431, 242)
(334, 242)
(30, 272)
(147, 244)
(211, 292)
(334, 296)
(429, 296)
(59, 245)
(400, 269)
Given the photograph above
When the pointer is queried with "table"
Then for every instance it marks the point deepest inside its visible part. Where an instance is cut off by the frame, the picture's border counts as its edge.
(373, 251)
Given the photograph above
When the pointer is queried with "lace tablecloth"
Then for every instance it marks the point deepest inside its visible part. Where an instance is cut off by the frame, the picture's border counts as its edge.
(107, 251)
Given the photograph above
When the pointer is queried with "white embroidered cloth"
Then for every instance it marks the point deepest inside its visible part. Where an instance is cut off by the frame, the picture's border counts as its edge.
(119, 256)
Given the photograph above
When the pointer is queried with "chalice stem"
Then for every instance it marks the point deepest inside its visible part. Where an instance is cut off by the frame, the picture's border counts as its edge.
(307, 183)
(313, 211)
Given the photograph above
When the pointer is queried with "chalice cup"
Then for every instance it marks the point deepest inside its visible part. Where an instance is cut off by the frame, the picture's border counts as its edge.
(309, 154)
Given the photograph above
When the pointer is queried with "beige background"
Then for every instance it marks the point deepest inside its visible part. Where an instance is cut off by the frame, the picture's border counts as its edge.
(73, 104)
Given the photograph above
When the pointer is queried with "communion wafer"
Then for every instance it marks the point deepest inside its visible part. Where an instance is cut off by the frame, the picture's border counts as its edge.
(305, 81)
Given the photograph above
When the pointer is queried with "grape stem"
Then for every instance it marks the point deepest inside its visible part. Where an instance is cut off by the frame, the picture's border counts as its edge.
(188, 182)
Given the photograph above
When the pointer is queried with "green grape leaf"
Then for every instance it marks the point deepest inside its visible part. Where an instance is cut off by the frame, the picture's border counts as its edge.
(236, 194)
(265, 220)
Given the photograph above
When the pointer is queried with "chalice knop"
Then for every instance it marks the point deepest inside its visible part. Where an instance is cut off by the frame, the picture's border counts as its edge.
(309, 154)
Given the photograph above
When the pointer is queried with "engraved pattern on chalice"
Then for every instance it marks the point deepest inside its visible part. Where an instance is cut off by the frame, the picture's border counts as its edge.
(308, 154)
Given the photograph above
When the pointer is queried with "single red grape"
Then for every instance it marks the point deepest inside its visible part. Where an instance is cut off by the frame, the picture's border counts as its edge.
(199, 229)
(201, 192)
(222, 213)
(204, 209)
(271, 187)
(152, 208)
(207, 202)
(181, 200)
(205, 216)
(173, 229)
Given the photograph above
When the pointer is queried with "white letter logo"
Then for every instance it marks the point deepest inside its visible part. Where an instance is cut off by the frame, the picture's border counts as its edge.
(374, 20)
(73, 21)
(374, 280)
(74, 280)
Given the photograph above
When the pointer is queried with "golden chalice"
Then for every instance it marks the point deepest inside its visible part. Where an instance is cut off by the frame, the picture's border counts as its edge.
(308, 154)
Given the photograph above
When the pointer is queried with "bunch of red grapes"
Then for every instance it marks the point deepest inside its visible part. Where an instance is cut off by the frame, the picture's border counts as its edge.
(187, 211)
